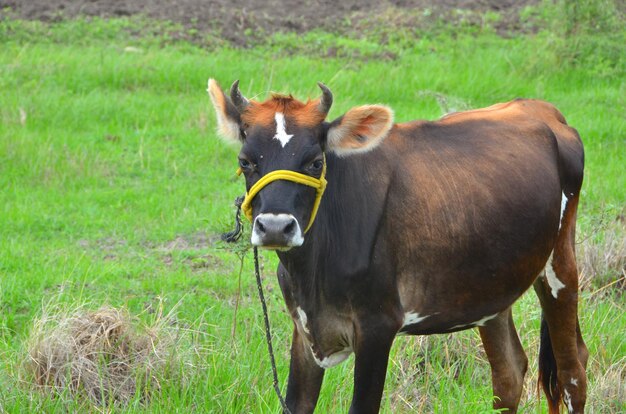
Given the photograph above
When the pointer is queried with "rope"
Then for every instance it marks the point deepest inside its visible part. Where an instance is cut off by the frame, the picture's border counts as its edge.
(318, 183)
(235, 235)
(232, 237)
(268, 335)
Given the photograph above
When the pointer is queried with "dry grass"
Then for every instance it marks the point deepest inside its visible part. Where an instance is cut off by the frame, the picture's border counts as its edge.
(105, 355)
(602, 258)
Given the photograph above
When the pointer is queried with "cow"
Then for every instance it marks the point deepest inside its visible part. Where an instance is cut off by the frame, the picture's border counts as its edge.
(423, 227)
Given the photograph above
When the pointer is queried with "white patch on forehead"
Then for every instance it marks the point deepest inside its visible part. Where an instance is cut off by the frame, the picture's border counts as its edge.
(332, 359)
(554, 283)
(574, 382)
(281, 133)
(303, 319)
(564, 201)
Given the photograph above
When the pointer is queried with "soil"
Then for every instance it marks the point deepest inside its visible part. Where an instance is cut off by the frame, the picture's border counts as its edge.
(235, 20)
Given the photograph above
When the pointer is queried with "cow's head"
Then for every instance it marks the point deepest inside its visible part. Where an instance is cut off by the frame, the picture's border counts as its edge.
(285, 134)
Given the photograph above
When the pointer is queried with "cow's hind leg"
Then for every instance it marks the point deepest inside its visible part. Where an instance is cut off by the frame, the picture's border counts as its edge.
(507, 359)
(562, 354)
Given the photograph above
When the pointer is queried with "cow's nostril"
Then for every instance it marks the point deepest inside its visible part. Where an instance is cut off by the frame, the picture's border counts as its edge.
(276, 231)
(290, 227)
(260, 227)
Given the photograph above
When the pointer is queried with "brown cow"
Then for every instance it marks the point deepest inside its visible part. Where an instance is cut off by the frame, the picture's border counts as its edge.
(423, 228)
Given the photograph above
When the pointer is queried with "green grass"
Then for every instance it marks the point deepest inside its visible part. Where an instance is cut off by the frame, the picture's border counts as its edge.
(114, 189)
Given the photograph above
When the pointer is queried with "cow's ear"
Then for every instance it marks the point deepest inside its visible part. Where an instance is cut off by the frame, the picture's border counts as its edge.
(361, 129)
(228, 117)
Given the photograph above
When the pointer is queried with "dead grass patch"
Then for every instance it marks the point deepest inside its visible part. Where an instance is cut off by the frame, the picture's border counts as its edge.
(602, 258)
(104, 355)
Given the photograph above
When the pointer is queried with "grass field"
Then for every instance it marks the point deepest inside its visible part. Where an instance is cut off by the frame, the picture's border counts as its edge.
(114, 190)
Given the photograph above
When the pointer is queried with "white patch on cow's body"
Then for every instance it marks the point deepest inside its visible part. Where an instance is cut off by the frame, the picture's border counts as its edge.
(574, 382)
(460, 326)
(281, 133)
(480, 322)
(332, 359)
(303, 319)
(411, 318)
(567, 399)
(554, 283)
(296, 239)
(564, 201)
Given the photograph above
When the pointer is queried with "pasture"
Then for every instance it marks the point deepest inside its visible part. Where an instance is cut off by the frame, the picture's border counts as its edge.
(114, 190)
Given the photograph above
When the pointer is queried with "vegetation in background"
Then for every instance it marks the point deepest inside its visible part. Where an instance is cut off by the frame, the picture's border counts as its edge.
(114, 188)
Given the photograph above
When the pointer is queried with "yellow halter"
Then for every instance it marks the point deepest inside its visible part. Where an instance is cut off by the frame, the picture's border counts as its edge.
(318, 184)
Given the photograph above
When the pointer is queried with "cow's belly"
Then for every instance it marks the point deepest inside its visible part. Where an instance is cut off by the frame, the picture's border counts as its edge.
(446, 321)
(449, 300)
(459, 267)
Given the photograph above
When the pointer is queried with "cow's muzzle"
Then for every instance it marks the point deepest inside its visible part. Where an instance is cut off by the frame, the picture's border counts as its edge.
(276, 231)
(318, 183)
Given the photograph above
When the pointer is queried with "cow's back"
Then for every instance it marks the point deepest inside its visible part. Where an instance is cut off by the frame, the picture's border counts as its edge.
(571, 153)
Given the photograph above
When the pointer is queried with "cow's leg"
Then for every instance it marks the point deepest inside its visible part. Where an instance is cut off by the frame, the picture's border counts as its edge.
(373, 343)
(507, 359)
(583, 352)
(305, 377)
(563, 354)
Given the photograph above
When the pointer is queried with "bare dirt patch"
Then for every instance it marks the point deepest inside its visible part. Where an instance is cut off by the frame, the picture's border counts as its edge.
(239, 21)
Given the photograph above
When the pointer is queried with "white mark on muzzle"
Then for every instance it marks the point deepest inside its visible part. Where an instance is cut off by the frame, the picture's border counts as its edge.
(281, 133)
(295, 239)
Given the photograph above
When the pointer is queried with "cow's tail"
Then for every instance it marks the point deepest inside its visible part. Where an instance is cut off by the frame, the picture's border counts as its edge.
(548, 370)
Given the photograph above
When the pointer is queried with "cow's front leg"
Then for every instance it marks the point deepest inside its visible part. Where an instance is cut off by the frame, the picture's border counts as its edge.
(305, 377)
(370, 367)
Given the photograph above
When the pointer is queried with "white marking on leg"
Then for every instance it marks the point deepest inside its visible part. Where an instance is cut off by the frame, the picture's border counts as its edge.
(567, 399)
(564, 201)
(554, 283)
(332, 359)
(281, 133)
(574, 382)
(303, 319)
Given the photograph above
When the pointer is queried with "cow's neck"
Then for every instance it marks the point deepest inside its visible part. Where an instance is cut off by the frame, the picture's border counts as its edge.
(340, 243)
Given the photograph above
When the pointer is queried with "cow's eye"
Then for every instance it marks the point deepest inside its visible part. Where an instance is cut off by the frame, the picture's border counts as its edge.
(245, 164)
(316, 166)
